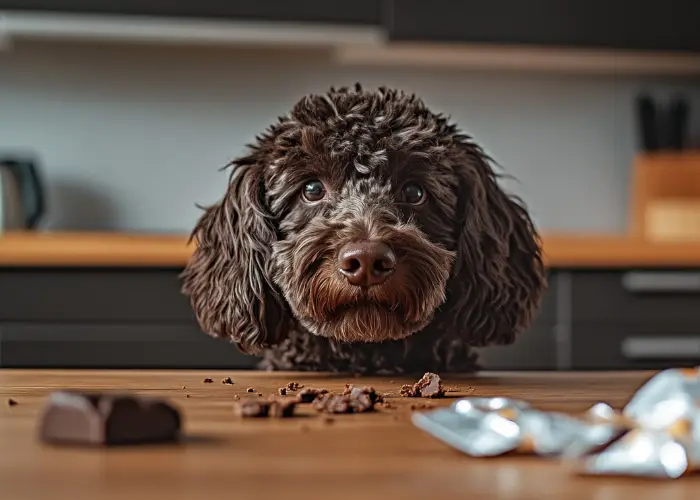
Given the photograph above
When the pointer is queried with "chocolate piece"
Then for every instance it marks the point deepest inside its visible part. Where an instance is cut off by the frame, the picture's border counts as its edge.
(11, 402)
(368, 390)
(352, 401)
(282, 408)
(251, 408)
(294, 386)
(102, 419)
(208, 380)
(187, 395)
(227, 381)
(429, 386)
(184, 387)
(250, 389)
(236, 397)
(282, 391)
(273, 408)
(408, 391)
(310, 394)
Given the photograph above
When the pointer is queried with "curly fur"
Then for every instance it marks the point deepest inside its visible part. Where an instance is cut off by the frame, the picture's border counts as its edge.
(263, 274)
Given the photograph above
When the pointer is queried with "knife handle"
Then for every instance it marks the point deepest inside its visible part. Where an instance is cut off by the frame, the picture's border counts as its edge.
(648, 123)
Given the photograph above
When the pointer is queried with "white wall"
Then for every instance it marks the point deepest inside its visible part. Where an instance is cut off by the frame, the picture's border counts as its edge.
(132, 137)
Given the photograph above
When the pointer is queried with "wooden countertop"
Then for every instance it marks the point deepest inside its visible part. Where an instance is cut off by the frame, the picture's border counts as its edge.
(378, 455)
(122, 249)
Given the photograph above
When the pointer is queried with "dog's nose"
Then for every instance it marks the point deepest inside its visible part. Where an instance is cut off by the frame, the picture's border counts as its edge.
(366, 263)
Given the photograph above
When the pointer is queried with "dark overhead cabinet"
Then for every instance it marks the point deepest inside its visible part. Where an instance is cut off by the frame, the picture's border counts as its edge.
(359, 12)
(669, 25)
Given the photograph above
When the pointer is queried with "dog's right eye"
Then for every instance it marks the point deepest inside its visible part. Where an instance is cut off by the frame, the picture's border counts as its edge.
(314, 191)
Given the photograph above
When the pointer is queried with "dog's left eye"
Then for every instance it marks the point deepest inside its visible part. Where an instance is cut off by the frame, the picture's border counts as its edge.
(314, 191)
(413, 193)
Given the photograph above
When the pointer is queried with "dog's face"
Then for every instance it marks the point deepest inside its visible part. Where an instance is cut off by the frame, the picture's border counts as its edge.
(364, 217)
(366, 243)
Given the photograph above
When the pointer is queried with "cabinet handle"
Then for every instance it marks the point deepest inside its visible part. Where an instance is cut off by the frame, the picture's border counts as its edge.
(655, 282)
(661, 347)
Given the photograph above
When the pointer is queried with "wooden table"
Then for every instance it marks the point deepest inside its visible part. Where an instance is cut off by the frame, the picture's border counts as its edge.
(380, 455)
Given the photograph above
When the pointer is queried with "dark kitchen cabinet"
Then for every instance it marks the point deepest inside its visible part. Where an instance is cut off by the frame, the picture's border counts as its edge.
(360, 12)
(673, 25)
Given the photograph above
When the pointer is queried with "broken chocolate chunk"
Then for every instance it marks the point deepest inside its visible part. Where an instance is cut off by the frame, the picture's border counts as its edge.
(429, 386)
(310, 394)
(353, 400)
(227, 381)
(408, 391)
(251, 408)
(368, 390)
(282, 391)
(11, 402)
(273, 408)
(208, 380)
(282, 408)
(250, 389)
(294, 386)
(102, 419)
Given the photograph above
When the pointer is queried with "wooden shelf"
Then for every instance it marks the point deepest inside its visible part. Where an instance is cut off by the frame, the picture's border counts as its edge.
(18, 249)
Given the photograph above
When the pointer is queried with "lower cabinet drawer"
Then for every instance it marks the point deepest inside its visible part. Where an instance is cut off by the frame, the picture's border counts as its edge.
(635, 346)
(116, 346)
(534, 349)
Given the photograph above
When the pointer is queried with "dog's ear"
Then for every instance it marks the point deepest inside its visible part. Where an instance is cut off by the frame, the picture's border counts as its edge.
(499, 276)
(227, 277)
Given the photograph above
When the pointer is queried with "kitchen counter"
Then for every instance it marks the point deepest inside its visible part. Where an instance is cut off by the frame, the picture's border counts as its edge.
(144, 250)
(377, 455)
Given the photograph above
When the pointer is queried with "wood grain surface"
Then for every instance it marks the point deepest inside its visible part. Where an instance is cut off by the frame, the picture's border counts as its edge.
(122, 249)
(377, 455)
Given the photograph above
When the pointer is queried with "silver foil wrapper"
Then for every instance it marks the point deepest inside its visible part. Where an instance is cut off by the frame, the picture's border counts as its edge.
(656, 435)
(661, 436)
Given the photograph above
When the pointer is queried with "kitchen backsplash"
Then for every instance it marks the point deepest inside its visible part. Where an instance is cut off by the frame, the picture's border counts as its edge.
(132, 137)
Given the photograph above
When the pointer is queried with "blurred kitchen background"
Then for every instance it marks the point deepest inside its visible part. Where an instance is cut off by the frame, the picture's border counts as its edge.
(125, 110)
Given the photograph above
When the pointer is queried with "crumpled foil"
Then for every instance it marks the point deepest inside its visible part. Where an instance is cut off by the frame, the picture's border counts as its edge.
(657, 434)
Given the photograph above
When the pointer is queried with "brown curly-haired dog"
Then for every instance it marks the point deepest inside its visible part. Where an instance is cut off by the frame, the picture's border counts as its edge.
(365, 233)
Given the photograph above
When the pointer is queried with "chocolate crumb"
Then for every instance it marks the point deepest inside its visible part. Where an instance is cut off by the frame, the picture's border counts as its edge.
(250, 389)
(236, 397)
(281, 408)
(11, 402)
(249, 408)
(184, 387)
(259, 394)
(208, 380)
(310, 394)
(227, 381)
(408, 391)
(294, 386)
(282, 391)
(353, 400)
(429, 386)
(368, 390)
(272, 408)
(187, 395)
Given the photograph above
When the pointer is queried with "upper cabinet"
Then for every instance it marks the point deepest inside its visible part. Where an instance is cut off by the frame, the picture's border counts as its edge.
(668, 25)
(360, 12)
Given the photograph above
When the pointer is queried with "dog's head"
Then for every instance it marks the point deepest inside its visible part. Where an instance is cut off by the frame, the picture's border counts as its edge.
(364, 217)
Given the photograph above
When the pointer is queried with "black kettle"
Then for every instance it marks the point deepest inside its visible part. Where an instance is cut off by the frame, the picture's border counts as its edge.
(22, 202)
